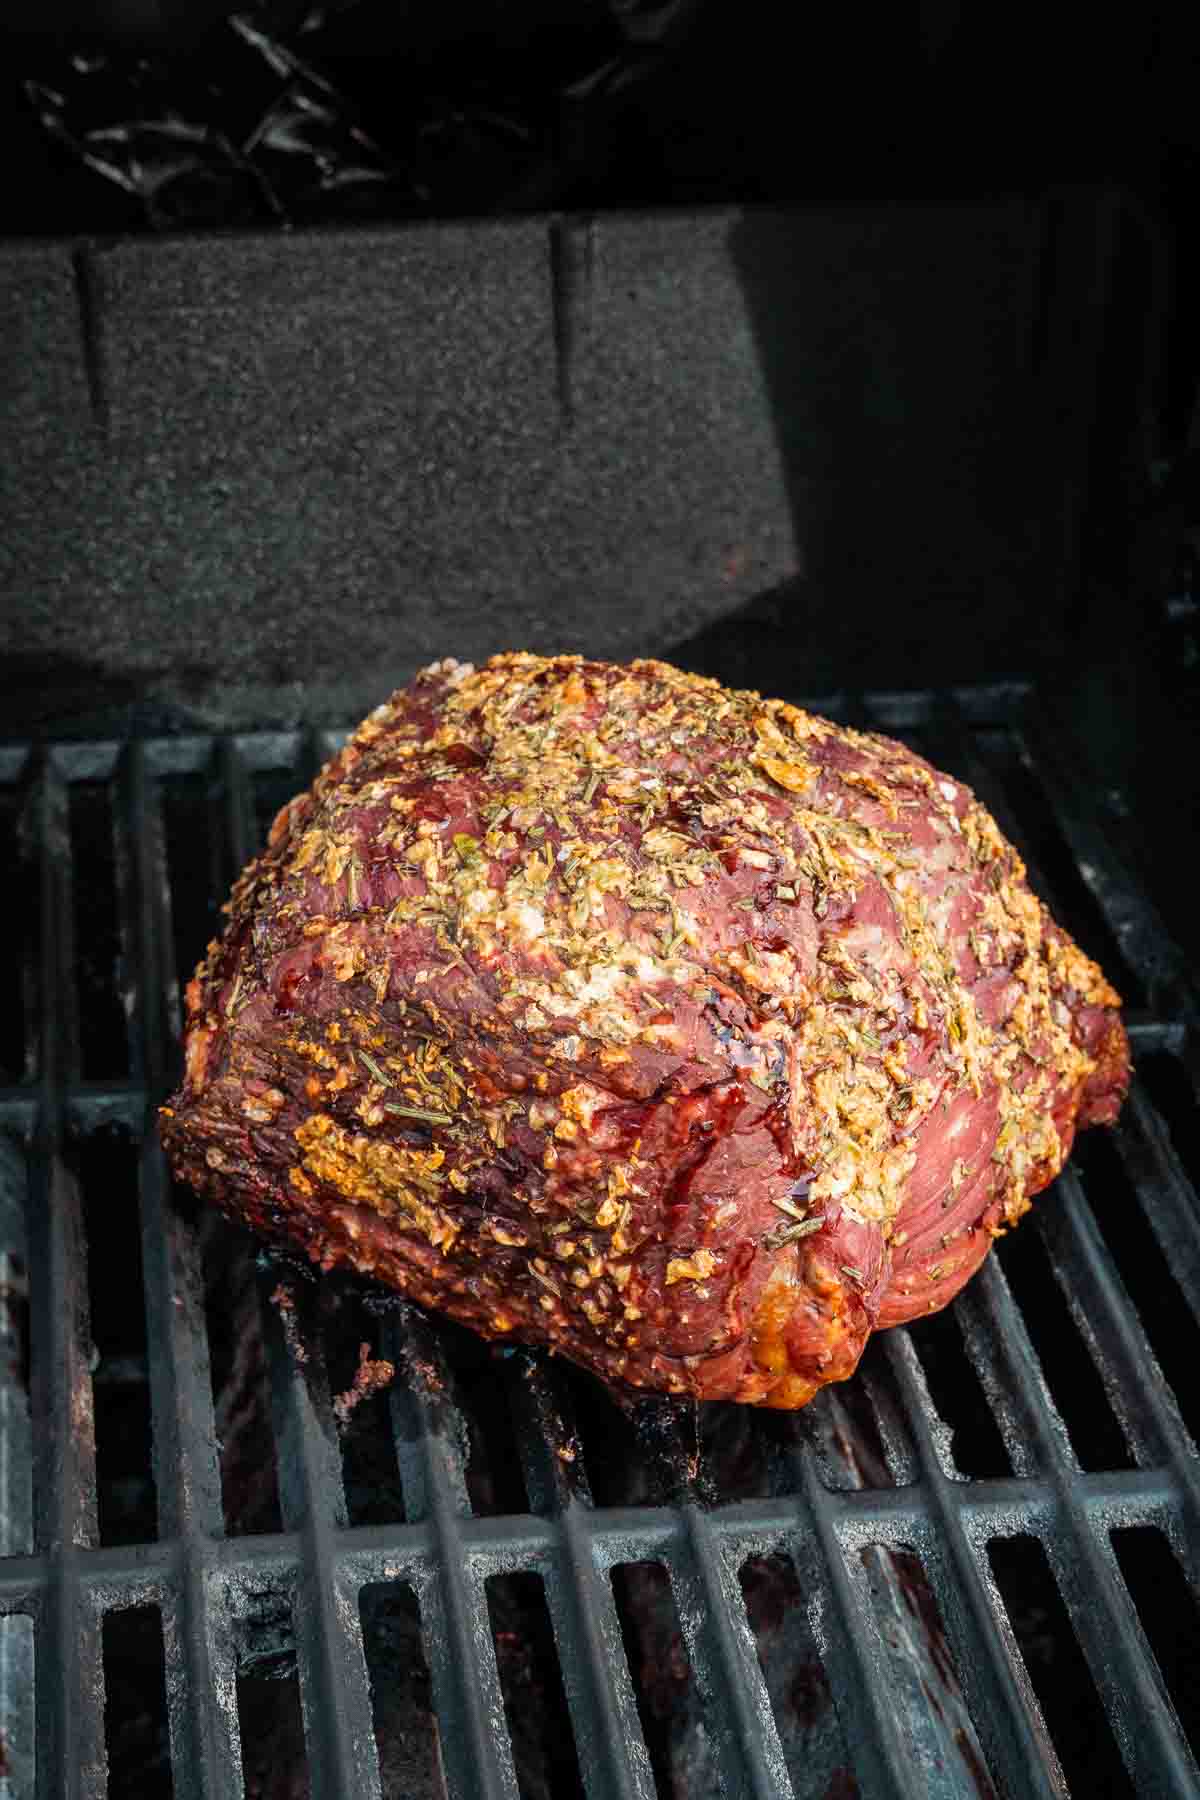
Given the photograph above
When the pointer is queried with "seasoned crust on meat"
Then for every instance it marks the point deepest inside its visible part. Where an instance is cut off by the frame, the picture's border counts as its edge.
(675, 1028)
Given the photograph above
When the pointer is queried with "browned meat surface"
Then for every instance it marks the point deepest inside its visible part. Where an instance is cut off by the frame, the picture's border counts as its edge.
(674, 1028)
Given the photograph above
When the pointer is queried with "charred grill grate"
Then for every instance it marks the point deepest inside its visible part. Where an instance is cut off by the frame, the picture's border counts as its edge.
(908, 1510)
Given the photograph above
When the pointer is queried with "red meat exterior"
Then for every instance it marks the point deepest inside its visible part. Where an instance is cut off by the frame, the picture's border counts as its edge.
(674, 1028)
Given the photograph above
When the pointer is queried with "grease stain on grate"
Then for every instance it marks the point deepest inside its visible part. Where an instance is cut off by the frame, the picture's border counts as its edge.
(924, 1680)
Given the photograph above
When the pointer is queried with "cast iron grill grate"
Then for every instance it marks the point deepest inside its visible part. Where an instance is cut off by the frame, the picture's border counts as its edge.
(944, 1579)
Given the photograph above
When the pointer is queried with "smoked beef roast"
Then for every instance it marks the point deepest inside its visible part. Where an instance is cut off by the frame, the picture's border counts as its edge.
(674, 1028)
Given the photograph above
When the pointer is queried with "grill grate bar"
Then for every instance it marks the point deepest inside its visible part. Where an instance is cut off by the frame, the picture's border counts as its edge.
(334, 1687)
(852, 1653)
(1007, 1716)
(204, 1738)
(724, 1659)
(608, 1733)
(68, 1688)
(1165, 1195)
(547, 1438)
(307, 1453)
(431, 1453)
(504, 1543)
(1108, 1321)
(71, 1763)
(187, 1473)
(1085, 1569)
(1146, 1033)
(197, 1618)
(334, 1690)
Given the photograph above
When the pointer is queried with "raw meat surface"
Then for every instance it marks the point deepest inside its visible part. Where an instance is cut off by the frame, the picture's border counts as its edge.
(674, 1028)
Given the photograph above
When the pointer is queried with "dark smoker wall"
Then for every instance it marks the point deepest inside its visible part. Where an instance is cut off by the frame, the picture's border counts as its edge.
(242, 464)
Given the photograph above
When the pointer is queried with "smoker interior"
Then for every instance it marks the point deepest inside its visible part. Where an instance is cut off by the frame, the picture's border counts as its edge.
(969, 1571)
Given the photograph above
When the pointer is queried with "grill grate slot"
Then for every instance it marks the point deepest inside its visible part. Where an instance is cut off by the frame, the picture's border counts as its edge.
(201, 1698)
(271, 1725)
(1150, 1276)
(612, 1750)
(406, 1731)
(329, 1649)
(107, 1171)
(1084, 1742)
(19, 969)
(854, 1659)
(668, 1706)
(1172, 1621)
(135, 1704)
(535, 1705)
(789, 1654)
(1074, 1378)
(1171, 1091)
(947, 1465)
(101, 970)
(370, 1476)
(975, 1446)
